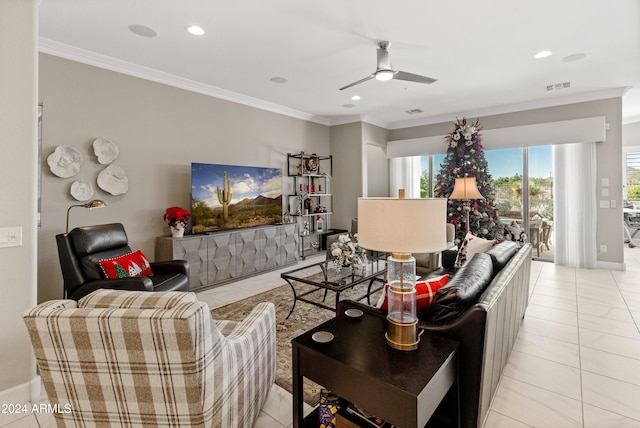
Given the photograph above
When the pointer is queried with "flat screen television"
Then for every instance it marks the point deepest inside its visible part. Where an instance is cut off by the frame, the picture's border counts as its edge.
(232, 196)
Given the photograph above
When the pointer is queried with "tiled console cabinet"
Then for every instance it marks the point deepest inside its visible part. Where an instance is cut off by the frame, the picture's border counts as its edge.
(225, 256)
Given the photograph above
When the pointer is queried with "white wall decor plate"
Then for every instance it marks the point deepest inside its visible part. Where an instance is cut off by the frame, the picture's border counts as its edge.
(113, 180)
(82, 190)
(65, 161)
(105, 150)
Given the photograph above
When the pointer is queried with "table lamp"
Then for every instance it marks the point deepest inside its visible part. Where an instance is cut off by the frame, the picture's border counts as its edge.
(96, 203)
(465, 189)
(401, 227)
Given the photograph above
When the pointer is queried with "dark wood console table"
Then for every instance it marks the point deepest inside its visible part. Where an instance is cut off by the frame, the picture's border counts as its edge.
(402, 387)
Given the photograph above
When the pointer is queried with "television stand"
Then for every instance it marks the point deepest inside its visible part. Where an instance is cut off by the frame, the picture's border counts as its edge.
(226, 256)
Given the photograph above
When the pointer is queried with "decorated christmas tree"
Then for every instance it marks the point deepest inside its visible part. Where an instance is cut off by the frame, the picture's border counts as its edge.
(465, 158)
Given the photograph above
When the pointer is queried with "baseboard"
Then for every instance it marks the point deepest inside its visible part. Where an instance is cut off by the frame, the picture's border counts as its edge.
(23, 394)
(611, 266)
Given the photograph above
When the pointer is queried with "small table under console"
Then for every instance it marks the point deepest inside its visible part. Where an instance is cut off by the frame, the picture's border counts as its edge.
(323, 276)
(402, 387)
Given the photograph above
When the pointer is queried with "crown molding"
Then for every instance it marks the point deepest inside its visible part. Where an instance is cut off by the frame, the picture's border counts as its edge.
(84, 56)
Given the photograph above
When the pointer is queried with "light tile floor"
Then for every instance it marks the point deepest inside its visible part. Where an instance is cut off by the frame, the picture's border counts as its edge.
(575, 363)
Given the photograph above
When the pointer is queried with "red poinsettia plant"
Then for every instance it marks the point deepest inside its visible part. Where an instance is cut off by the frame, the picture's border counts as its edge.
(175, 215)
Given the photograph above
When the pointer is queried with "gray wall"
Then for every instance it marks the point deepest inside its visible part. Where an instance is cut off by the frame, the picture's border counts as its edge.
(18, 187)
(631, 134)
(609, 153)
(160, 130)
(346, 185)
(376, 164)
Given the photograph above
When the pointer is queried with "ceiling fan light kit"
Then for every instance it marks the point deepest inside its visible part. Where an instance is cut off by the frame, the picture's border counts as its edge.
(384, 75)
(384, 71)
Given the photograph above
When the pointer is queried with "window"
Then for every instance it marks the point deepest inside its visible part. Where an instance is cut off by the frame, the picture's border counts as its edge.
(633, 176)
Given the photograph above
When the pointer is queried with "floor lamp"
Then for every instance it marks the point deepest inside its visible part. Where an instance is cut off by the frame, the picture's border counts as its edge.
(96, 203)
(401, 227)
(465, 189)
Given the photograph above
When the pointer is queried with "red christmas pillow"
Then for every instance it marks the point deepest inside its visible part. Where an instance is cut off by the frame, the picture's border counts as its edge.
(126, 266)
(425, 293)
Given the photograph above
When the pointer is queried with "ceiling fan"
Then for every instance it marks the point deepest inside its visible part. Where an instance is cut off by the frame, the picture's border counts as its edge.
(385, 72)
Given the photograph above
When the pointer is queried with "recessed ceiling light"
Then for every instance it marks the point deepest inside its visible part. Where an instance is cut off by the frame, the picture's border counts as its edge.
(355, 97)
(279, 79)
(574, 57)
(542, 54)
(195, 30)
(348, 105)
(142, 30)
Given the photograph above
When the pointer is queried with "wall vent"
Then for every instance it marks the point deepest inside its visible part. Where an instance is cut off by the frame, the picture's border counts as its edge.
(558, 86)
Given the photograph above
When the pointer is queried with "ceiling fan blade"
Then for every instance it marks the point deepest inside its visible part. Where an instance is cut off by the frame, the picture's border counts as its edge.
(371, 76)
(410, 77)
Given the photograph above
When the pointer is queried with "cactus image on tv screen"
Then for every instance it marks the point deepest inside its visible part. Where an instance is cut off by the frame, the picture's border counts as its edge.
(232, 196)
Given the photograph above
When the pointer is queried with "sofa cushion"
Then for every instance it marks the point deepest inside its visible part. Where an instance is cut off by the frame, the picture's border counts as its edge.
(471, 245)
(425, 293)
(501, 253)
(463, 290)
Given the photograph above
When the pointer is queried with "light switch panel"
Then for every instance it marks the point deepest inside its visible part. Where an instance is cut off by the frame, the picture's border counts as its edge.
(10, 237)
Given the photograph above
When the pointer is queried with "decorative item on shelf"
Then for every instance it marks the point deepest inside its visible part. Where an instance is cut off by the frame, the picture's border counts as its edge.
(113, 180)
(177, 218)
(312, 164)
(105, 150)
(466, 189)
(65, 161)
(96, 203)
(346, 253)
(307, 205)
(320, 209)
(299, 204)
(319, 224)
(286, 217)
(401, 227)
(305, 228)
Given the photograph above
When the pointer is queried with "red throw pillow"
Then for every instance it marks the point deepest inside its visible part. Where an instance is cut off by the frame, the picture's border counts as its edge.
(128, 265)
(425, 293)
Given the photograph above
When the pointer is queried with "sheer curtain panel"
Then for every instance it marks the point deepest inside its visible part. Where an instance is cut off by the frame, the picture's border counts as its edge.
(405, 174)
(575, 204)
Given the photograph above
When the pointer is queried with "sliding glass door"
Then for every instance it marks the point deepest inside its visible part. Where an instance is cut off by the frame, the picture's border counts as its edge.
(523, 185)
(540, 183)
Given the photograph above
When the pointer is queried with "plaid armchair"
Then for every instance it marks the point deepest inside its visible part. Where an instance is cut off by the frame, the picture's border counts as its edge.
(131, 358)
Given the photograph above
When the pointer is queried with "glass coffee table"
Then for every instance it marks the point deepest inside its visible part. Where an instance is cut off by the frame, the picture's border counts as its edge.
(323, 275)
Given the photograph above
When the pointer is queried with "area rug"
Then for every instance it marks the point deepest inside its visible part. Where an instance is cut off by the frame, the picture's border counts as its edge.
(304, 317)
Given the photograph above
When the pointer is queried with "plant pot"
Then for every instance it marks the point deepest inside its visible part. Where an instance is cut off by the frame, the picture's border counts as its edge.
(177, 231)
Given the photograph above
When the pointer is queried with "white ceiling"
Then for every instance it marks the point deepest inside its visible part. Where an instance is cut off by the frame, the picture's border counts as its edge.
(480, 52)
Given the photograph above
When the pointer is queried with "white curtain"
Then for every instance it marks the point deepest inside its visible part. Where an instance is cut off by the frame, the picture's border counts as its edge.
(405, 174)
(575, 204)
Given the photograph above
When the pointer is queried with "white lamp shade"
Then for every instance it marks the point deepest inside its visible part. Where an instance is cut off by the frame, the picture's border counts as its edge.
(465, 188)
(394, 225)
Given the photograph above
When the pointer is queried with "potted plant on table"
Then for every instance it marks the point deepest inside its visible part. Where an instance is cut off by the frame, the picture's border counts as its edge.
(177, 219)
(347, 253)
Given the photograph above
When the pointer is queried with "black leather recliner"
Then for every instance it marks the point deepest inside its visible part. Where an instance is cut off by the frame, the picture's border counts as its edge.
(81, 250)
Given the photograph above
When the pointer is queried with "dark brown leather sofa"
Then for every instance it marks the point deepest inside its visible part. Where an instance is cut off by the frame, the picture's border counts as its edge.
(81, 250)
(482, 307)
